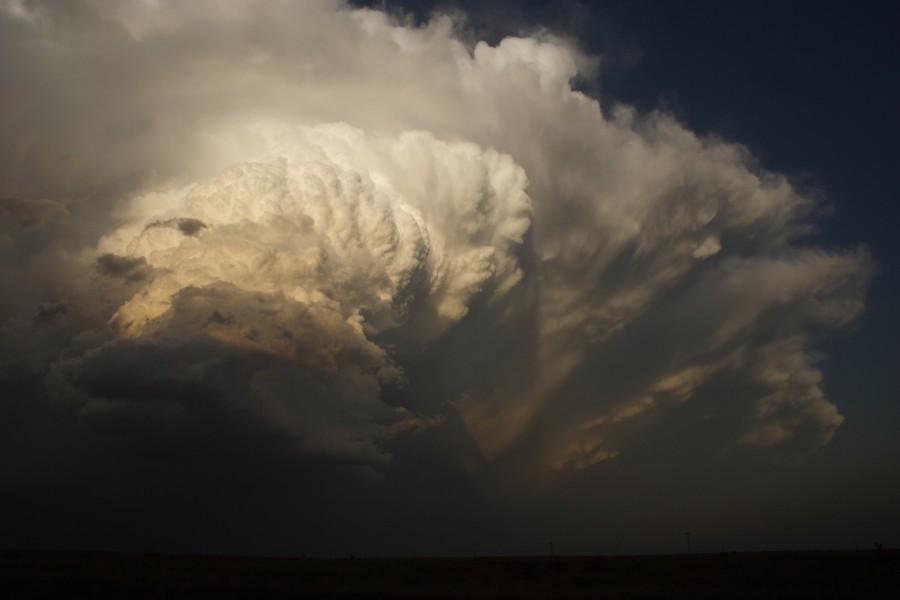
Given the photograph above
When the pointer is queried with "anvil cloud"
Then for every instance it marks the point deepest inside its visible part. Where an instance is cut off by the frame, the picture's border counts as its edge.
(316, 230)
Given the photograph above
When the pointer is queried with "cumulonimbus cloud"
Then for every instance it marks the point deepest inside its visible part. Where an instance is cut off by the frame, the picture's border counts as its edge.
(282, 202)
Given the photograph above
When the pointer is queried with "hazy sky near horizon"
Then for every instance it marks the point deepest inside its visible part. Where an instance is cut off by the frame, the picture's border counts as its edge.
(307, 277)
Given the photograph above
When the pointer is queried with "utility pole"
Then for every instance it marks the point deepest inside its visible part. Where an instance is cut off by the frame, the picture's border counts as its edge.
(687, 534)
(551, 548)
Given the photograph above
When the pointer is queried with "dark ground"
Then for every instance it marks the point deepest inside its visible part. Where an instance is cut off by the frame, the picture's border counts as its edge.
(826, 574)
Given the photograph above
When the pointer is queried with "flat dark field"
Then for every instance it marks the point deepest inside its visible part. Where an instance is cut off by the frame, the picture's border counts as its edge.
(813, 574)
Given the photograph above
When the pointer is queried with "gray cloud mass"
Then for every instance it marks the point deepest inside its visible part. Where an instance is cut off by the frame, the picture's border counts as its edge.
(317, 234)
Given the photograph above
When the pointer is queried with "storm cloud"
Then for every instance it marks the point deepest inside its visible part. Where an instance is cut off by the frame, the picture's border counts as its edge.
(321, 233)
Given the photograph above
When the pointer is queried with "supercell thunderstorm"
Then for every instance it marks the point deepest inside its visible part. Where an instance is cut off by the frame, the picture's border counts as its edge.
(282, 211)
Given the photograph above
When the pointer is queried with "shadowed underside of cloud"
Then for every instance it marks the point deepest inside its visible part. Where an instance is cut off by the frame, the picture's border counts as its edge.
(316, 229)
(31, 212)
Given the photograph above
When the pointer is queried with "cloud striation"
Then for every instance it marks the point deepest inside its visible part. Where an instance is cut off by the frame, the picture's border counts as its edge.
(313, 231)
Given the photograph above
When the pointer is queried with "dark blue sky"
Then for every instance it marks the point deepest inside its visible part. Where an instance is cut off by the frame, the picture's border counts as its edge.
(811, 89)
